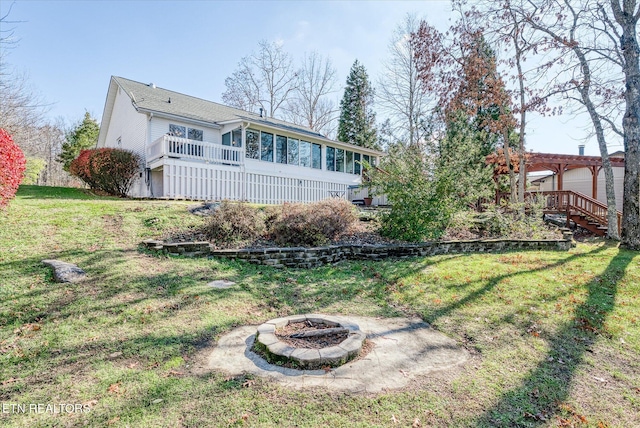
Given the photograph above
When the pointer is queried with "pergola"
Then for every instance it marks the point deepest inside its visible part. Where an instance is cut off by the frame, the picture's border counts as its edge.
(558, 164)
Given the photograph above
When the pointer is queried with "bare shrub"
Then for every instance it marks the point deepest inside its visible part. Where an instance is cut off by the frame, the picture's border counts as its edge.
(235, 221)
(310, 224)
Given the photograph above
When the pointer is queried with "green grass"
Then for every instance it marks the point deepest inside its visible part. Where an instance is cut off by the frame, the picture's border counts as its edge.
(554, 336)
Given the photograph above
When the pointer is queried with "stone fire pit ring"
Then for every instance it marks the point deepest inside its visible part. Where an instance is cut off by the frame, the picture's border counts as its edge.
(307, 358)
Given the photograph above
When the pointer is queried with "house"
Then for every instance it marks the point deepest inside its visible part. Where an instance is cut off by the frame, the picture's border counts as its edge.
(198, 149)
(578, 173)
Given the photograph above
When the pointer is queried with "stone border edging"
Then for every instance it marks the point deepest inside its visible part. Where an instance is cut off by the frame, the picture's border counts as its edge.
(301, 257)
(307, 358)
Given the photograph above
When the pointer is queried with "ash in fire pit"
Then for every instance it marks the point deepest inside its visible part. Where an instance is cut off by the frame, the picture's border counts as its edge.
(310, 341)
(314, 335)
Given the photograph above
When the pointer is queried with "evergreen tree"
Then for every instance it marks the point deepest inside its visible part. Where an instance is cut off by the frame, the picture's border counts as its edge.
(357, 118)
(83, 136)
(476, 117)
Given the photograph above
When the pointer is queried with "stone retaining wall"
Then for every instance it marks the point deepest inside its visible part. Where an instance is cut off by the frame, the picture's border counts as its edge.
(300, 257)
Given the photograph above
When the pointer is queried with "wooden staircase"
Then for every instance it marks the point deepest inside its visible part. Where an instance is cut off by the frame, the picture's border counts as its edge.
(584, 211)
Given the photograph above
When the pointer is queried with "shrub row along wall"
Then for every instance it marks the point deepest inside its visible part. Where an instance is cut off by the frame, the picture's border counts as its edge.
(313, 257)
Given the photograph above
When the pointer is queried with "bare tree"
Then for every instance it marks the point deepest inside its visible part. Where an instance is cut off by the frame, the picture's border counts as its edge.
(572, 39)
(20, 107)
(262, 80)
(627, 15)
(310, 104)
(400, 92)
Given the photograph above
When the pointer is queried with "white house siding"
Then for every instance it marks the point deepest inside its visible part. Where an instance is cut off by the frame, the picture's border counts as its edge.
(618, 185)
(579, 180)
(130, 128)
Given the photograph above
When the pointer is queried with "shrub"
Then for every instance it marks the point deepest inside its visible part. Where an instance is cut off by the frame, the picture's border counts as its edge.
(235, 221)
(311, 224)
(107, 169)
(502, 221)
(420, 200)
(12, 165)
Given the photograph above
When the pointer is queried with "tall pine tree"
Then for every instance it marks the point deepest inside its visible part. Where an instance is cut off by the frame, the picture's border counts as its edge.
(357, 123)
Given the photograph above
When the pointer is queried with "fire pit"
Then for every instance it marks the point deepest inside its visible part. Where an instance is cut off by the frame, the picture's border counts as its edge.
(310, 341)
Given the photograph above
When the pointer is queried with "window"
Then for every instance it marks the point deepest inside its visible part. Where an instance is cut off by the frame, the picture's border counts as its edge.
(349, 165)
(316, 156)
(292, 151)
(331, 156)
(266, 147)
(281, 149)
(184, 132)
(356, 163)
(177, 131)
(195, 134)
(236, 137)
(365, 158)
(226, 139)
(340, 160)
(253, 144)
(305, 153)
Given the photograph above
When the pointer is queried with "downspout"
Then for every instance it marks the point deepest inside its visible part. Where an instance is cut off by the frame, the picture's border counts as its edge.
(147, 144)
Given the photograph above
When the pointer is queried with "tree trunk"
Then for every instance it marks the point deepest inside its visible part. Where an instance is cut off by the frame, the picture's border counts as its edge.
(630, 124)
(523, 115)
(612, 211)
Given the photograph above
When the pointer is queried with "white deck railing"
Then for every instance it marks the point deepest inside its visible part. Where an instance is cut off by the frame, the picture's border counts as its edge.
(183, 148)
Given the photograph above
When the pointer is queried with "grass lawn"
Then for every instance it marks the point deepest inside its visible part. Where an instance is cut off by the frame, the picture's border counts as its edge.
(554, 336)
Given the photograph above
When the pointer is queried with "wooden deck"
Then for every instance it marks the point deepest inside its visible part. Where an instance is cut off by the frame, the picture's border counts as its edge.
(583, 210)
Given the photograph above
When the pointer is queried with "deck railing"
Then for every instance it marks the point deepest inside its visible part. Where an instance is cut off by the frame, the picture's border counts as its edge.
(568, 201)
(183, 148)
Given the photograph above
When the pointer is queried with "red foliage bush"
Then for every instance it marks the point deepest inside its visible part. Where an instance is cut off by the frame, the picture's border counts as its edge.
(12, 165)
(79, 167)
(311, 224)
(107, 169)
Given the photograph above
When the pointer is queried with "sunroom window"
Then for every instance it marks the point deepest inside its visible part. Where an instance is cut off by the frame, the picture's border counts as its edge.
(266, 147)
(340, 160)
(292, 151)
(331, 156)
(253, 144)
(281, 149)
(305, 153)
(357, 166)
(316, 156)
(349, 162)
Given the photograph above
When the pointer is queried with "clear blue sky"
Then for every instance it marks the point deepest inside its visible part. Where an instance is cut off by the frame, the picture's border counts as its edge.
(69, 49)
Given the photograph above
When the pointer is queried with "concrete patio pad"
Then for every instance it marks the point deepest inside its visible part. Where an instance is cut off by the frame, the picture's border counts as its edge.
(404, 349)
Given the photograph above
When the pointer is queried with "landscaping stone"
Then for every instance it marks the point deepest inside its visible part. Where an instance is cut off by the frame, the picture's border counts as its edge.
(331, 355)
(306, 258)
(403, 350)
(221, 283)
(65, 272)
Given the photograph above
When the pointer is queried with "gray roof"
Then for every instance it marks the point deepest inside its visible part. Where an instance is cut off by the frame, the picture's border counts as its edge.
(151, 98)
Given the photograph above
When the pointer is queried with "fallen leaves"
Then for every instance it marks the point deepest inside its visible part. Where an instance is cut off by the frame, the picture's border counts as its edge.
(114, 388)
